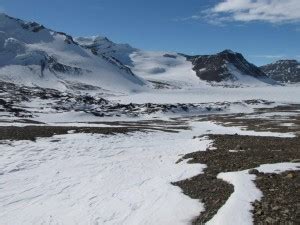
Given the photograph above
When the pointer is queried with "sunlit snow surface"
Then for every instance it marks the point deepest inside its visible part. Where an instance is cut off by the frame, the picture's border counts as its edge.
(284, 94)
(97, 179)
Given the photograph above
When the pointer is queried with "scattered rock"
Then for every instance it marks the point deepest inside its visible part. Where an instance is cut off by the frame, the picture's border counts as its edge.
(295, 161)
(275, 208)
(290, 176)
(238, 147)
(270, 220)
(253, 171)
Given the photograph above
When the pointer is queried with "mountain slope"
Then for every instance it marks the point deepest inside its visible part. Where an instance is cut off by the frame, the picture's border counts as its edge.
(224, 68)
(227, 66)
(169, 69)
(36, 56)
(165, 69)
(286, 71)
(103, 46)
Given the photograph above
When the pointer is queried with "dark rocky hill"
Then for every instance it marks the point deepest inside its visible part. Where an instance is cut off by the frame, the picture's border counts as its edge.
(285, 71)
(224, 66)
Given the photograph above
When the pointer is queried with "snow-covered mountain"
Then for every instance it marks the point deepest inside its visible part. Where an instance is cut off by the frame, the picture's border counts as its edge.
(224, 68)
(227, 66)
(163, 69)
(171, 70)
(33, 55)
(103, 46)
(286, 71)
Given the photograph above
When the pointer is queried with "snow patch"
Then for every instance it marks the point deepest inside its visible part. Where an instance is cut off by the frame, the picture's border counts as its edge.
(245, 192)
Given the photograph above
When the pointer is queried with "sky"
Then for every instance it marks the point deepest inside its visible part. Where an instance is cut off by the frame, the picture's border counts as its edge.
(262, 30)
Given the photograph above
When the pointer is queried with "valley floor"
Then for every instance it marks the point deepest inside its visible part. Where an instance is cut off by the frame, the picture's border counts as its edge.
(230, 168)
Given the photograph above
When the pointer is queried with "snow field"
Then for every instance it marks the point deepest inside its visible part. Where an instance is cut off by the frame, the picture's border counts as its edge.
(97, 179)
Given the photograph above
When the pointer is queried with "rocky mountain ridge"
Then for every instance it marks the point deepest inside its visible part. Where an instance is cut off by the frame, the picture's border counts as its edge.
(285, 71)
(225, 66)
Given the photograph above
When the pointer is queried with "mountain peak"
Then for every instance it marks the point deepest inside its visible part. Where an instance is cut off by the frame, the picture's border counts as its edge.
(287, 61)
(100, 45)
(7, 20)
(285, 70)
(227, 51)
(34, 55)
(225, 66)
(99, 40)
(93, 40)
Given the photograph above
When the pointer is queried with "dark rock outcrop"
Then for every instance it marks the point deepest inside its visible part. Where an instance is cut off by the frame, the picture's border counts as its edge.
(285, 71)
(223, 66)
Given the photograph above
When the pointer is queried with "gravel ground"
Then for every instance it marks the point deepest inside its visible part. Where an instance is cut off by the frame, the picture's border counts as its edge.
(258, 121)
(281, 201)
(252, 152)
(33, 132)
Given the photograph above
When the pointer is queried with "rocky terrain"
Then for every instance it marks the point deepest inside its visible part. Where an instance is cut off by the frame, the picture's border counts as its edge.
(24, 102)
(235, 151)
(224, 66)
(231, 153)
(285, 71)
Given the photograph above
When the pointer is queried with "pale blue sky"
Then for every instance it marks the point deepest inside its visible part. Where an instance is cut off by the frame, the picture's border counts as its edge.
(187, 26)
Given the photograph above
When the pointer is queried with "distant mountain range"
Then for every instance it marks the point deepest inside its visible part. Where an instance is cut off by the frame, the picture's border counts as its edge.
(33, 55)
(285, 71)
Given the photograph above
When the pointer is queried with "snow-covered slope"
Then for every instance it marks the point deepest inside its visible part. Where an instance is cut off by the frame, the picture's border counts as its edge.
(32, 55)
(286, 71)
(103, 46)
(165, 69)
(225, 68)
(173, 70)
